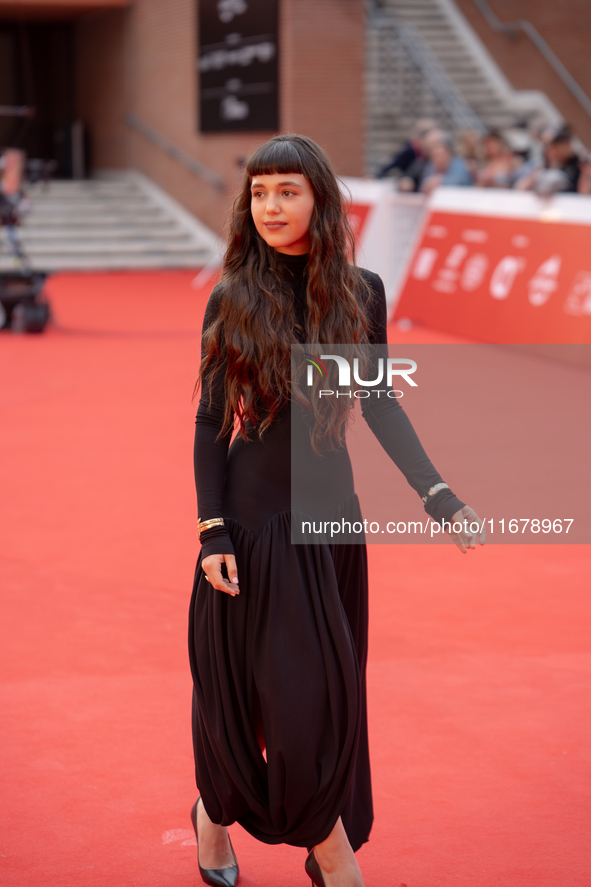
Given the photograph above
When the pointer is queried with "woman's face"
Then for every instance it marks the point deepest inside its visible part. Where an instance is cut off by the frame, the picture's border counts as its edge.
(281, 205)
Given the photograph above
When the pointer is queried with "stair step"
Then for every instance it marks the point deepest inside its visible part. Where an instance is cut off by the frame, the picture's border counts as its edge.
(76, 208)
(104, 221)
(75, 197)
(60, 233)
(129, 247)
(109, 262)
(116, 221)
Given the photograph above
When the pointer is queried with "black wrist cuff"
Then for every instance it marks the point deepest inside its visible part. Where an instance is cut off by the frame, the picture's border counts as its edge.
(443, 505)
(216, 541)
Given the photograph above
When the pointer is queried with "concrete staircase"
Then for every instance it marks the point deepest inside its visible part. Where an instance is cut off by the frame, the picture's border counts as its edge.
(118, 220)
(465, 60)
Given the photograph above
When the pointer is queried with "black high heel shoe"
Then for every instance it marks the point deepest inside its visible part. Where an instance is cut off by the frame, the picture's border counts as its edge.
(215, 877)
(313, 870)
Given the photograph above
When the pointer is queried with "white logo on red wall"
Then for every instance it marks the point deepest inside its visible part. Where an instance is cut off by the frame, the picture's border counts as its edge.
(437, 232)
(578, 301)
(474, 235)
(544, 282)
(503, 277)
(491, 277)
(447, 277)
(470, 270)
(474, 272)
(475, 267)
(424, 262)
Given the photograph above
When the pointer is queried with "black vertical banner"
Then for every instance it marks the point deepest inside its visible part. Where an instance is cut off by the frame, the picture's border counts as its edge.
(238, 65)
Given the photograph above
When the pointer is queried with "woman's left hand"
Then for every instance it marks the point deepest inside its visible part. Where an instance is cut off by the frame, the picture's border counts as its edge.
(469, 520)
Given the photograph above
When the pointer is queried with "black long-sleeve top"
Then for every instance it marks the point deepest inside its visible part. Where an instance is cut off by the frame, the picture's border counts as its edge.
(385, 417)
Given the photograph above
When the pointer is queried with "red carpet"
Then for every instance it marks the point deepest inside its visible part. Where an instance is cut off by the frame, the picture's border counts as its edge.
(480, 667)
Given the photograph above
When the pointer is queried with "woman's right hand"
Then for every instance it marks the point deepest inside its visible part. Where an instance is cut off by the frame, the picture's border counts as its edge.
(212, 569)
(467, 518)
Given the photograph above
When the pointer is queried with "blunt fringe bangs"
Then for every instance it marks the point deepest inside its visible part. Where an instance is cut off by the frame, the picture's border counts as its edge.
(278, 155)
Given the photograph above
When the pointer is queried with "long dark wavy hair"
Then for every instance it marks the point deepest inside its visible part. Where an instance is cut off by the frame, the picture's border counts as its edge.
(250, 338)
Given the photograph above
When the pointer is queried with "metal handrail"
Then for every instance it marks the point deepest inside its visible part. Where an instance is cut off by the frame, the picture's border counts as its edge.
(194, 166)
(512, 29)
(430, 68)
(438, 79)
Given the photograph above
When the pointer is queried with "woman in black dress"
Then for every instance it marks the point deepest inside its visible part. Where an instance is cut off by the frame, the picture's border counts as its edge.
(278, 632)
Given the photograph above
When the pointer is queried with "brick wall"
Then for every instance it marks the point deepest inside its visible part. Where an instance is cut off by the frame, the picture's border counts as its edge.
(142, 60)
(53, 9)
(323, 75)
(566, 26)
(102, 87)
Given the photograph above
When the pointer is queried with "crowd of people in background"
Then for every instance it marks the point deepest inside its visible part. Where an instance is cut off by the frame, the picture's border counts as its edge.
(546, 159)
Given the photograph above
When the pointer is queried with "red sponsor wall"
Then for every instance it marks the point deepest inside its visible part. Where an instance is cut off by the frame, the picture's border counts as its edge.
(502, 267)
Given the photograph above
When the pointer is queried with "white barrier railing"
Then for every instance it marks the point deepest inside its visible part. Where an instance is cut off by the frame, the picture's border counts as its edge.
(387, 224)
